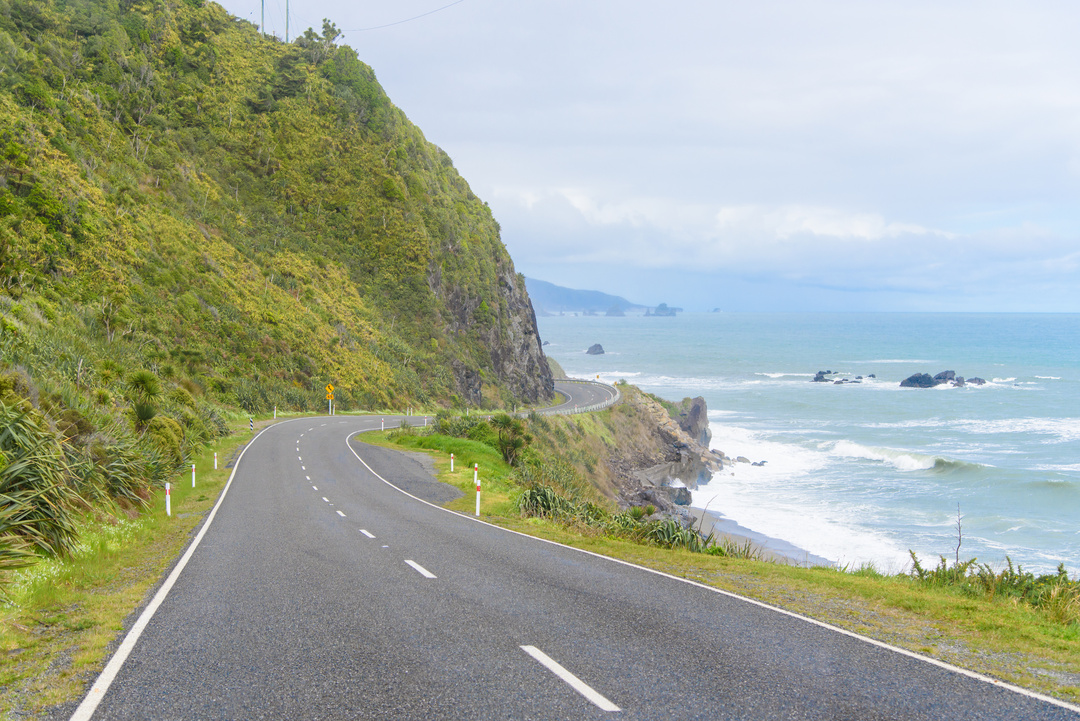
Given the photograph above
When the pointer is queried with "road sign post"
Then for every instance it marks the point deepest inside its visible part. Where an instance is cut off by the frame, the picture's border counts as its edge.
(329, 399)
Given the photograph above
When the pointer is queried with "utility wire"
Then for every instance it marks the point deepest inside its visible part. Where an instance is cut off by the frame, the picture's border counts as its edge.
(406, 20)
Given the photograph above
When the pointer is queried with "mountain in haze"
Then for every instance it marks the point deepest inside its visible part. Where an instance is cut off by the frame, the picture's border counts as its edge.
(551, 298)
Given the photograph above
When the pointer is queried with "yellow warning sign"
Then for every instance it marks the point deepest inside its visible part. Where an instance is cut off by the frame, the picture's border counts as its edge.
(330, 388)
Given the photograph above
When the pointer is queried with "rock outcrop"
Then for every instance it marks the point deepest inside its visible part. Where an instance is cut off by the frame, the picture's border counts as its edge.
(687, 464)
(925, 380)
(694, 421)
(595, 349)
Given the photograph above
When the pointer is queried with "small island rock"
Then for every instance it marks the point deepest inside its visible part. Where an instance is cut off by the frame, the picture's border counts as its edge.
(595, 349)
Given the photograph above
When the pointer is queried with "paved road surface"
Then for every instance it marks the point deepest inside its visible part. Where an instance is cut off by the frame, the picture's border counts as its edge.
(321, 592)
(580, 394)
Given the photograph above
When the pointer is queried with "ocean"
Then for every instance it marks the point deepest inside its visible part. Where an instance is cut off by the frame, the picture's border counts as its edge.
(862, 473)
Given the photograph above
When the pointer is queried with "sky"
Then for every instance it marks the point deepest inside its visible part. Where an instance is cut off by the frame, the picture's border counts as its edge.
(765, 156)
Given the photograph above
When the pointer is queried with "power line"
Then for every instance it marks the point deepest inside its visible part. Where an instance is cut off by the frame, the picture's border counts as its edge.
(406, 20)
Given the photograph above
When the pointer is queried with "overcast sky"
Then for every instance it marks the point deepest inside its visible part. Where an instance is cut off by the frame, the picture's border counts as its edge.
(753, 156)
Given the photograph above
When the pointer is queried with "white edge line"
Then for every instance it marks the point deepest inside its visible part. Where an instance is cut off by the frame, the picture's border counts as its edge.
(596, 698)
(420, 569)
(761, 604)
(108, 674)
(366, 533)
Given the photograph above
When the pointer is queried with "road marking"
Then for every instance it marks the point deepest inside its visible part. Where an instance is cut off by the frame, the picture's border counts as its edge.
(301, 458)
(308, 477)
(729, 594)
(303, 468)
(314, 488)
(575, 683)
(418, 568)
(108, 674)
(366, 533)
(341, 514)
(326, 499)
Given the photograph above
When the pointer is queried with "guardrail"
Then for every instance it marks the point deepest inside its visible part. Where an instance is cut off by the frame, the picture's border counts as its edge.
(560, 411)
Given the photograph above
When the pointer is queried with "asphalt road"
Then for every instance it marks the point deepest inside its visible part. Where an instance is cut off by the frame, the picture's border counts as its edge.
(580, 394)
(321, 592)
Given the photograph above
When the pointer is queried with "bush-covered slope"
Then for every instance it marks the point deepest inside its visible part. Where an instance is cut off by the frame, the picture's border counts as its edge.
(249, 218)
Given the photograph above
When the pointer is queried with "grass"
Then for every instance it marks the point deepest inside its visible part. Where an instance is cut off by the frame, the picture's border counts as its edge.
(999, 636)
(63, 616)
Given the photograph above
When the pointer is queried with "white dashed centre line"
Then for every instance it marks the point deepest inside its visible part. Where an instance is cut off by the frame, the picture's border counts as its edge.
(420, 569)
(326, 499)
(301, 458)
(575, 683)
(303, 468)
(366, 533)
(341, 514)
(308, 477)
(314, 488)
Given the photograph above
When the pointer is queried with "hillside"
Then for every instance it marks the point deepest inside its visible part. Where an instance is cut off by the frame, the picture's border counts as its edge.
(551, 298)
(242, 217)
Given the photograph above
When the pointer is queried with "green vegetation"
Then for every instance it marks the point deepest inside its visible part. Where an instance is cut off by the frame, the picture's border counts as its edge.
(1007, 623)
(182, 195)
(62, 613)
(198, 221)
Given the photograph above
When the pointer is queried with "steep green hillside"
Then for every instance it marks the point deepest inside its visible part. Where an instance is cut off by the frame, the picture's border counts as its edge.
(244, 218)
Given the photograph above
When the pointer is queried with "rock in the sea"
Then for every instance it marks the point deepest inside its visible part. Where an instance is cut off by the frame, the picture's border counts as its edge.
(819, 377)
(742, 459)
(976, 381)
(945, 376)
(759, 463)
(595, 349)
(918, 380)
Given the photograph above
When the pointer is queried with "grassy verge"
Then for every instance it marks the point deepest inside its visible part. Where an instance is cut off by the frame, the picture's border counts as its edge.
(63, 617)
(999, 636)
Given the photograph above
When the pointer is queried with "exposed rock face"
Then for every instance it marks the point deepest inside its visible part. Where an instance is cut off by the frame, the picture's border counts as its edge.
(695, 421)
(508, 330)
(595, 349)
(687, 465)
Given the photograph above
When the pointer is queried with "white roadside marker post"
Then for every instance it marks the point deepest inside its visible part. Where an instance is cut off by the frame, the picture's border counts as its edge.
(168, 500)
(382, 424)
(215, 460)
(192, 475)
(451, 462)
(476, 478)
(425, 421)
(275, 413)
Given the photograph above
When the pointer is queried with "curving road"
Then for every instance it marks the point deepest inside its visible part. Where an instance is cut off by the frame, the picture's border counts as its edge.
(580, 394)
(320, 591)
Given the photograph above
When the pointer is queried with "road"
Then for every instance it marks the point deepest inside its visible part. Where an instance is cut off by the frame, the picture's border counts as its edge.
(580, 394)
(320, 591)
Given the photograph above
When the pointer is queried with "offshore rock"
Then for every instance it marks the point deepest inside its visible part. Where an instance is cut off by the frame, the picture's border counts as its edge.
(918, 380)
(595, 349)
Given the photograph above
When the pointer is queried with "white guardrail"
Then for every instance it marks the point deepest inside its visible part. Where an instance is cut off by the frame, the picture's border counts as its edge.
(561, 411)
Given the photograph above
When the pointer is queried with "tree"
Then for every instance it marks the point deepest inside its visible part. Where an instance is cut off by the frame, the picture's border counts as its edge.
(513, 437)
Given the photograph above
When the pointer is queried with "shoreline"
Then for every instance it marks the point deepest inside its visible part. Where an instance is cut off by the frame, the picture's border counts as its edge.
(772, 549)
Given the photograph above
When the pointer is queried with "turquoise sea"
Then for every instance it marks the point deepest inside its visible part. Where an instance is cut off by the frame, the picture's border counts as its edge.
(863, 472)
